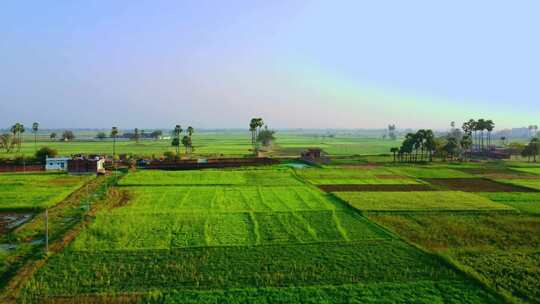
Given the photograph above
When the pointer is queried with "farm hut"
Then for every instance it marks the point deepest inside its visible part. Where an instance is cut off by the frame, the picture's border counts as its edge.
(314, 155)
(56, 163)
(86, 166)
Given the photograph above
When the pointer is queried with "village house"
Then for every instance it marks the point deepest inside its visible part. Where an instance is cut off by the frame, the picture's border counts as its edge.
(56, 163)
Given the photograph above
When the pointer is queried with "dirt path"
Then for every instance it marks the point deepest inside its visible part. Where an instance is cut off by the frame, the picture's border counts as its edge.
(65, 224)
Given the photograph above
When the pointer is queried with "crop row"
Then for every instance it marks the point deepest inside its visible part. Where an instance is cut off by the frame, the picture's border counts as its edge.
(163, 231)
(73, 272)
(224, 199)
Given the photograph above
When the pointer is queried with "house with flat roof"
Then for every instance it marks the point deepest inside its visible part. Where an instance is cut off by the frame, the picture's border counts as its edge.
(56, 163)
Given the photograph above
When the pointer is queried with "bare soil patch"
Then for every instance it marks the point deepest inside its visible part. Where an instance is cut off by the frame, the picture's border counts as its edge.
(475, 185)
(388, 188)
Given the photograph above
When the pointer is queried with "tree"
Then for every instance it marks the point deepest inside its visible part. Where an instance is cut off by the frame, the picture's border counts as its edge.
(490, 125)
(114, 134)
(7, 142)
(186, 142)
(190, 132)
(266, 136)
(392, 131)
(532, 149)
(35, 127)
(156, 134)
(68, 135)
(503, 140)
(136, 135)
(255, 126)
(394, 151)
(44, 152)
(176, 139)
(451, 148)
(466, 142)
(17, 129)
(52, 136)
(101, 135)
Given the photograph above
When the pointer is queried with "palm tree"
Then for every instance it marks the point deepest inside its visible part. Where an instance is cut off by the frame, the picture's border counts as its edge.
(176, 140)
(185, 142)
(136, 135)
(190, 131)
(466, 142)
(114, 134)
(429, 139)
(35, 127)
(254, 126)
(490, 125)
(17, 130)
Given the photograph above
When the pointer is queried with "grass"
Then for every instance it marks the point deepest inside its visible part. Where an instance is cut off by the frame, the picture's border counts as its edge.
(353, 176)
(35, 191)
(419, 201)
(501, 249)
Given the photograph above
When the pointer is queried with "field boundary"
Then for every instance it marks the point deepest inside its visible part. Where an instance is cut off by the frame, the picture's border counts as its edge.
(15, 278)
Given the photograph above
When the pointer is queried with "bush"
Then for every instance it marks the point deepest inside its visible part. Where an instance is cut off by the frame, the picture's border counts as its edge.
(45, 152)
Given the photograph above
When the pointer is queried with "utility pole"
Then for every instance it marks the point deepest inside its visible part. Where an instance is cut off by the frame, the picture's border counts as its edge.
(47, 230)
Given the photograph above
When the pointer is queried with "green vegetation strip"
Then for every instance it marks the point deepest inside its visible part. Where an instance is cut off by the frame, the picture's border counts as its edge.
(36, 191)
(354, 176)
(420, 201)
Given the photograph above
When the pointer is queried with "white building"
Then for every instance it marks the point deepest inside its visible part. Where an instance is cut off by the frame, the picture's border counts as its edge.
(56, 163)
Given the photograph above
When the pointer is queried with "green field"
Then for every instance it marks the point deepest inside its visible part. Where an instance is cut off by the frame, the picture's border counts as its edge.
(19, 191)
(502, 249)
(529, 183)
(233, 143)
(210, 235)
(354, 176)
(420, 201)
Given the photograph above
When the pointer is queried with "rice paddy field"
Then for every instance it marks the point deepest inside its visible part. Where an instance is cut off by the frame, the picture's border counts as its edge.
(254, 235)
(345, 233)
(35, 191)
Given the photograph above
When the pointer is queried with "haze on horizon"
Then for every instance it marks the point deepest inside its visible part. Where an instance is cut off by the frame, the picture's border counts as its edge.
(298, 64)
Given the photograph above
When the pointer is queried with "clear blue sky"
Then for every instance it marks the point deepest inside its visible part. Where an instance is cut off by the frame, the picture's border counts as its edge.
(312, 64)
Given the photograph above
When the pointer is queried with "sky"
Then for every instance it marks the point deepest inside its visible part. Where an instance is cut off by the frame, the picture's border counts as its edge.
(297, 64)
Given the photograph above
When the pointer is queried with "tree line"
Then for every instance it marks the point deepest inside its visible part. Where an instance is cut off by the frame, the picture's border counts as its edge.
(474, 135)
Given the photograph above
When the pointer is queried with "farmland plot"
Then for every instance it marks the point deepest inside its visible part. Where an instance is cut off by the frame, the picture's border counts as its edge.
(528, 202)
(274, 177)
(420, 201)
(501, 248)
(27, 191)
(430, 172)
(263, 231)
(224, 199)
(358, 176)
